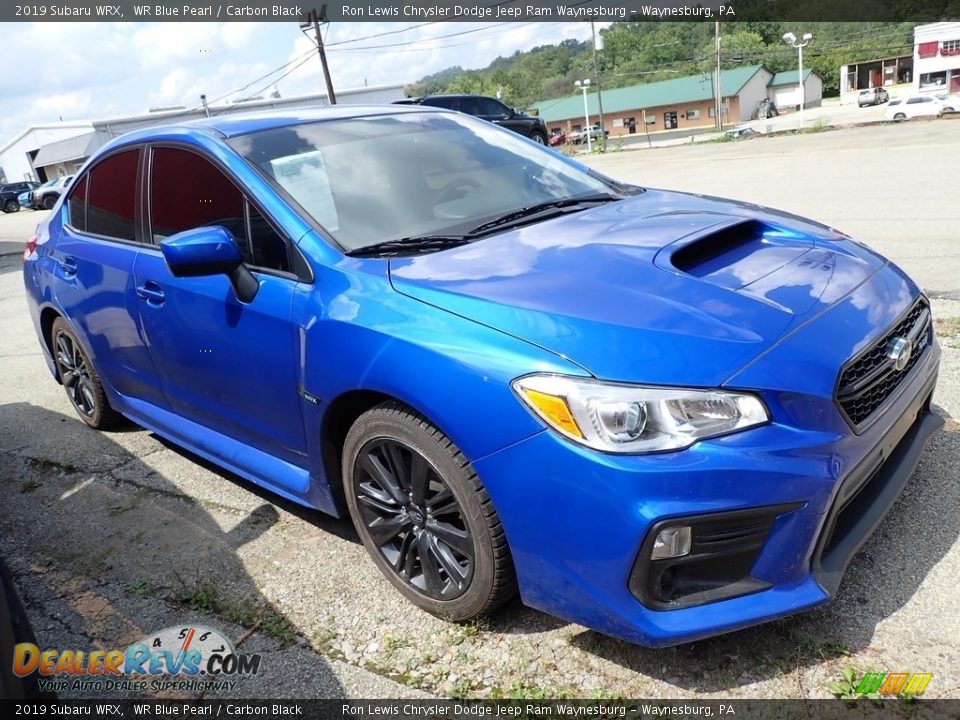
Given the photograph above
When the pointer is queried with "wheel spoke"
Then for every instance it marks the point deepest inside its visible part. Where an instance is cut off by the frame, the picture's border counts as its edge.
(383, 477)
(458, 540)
(443, 503)
(419, 473)
(429, 565)
(87, 393)
(377, 501)
(455, 571)
(404, 561)
(396, 465)
(69, 377)
(383, 530)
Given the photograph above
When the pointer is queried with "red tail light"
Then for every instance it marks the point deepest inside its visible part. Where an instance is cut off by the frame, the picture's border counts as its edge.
(31, 247)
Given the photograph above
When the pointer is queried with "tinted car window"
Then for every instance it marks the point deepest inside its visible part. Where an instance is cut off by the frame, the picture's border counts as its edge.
(491, 107)
(111, 192)
(444, 102)
(188, 191)
(77, 205)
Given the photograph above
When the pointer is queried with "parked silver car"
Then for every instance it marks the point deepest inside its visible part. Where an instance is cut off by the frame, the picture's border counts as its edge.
(873, 96)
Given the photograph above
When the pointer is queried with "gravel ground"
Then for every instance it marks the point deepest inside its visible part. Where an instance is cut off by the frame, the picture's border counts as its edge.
(115, 534)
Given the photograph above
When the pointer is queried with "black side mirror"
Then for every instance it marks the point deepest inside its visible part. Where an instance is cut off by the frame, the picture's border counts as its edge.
(209, 251)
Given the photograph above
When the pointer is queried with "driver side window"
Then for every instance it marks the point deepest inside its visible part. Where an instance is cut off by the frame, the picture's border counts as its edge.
(187, 191)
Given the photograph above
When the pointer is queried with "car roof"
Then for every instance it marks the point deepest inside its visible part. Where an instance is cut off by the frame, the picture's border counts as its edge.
(242, 123)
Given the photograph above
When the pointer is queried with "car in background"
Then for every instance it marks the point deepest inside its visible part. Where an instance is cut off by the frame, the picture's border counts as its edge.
(26, 199)
(578, 137)
(951, 103)
(23, 199)
(872, 96)
(738, 133)
(46, 196)
(489, 109)
(10, 192)
(557, 137)
(660, 415)
(914, 106)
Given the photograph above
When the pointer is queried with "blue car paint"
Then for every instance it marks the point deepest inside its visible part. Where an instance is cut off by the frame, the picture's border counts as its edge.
(590, 294)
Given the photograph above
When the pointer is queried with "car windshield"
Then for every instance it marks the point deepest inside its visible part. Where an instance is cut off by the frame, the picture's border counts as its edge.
(49, 183)
(368, 180)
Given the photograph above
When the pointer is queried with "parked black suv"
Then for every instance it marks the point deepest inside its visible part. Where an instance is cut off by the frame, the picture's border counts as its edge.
(487, 108)
(10, 191)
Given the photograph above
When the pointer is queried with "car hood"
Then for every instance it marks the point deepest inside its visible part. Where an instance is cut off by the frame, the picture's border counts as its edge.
(662, 287)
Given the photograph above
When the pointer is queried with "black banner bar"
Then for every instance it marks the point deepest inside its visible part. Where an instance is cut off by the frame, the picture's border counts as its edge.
(499, 710)
(482, 10)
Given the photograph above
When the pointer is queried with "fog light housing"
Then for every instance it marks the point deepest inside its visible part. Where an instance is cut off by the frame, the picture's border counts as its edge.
(671, 542)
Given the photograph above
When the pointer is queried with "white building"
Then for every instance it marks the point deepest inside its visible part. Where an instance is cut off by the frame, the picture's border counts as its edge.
(784, 89)
(17, 156)
(42, 152)
(936, 57)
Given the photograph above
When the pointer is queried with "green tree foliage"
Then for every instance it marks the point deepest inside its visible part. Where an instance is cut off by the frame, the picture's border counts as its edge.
(640, 52)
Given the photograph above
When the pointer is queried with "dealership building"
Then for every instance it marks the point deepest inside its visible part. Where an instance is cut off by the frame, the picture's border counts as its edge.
(45, 152)
(679, 104)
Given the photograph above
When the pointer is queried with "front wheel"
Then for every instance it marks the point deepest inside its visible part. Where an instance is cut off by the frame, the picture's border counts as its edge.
(424, 516)
(49, 202)
(11, 206)
(899, 116)
(539, 138)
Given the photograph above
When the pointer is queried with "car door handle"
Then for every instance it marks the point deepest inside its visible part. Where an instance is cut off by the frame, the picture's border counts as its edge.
(151, 292)
(69, 266)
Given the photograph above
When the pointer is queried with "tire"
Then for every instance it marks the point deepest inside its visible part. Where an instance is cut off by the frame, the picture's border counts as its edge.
(899, 116)
(453, 525)
(538, 137)
(49, 202)
(11, 206)
(80, 379)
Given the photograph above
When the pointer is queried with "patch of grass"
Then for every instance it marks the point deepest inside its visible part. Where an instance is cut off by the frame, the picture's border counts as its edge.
(44, 464)
(278, 627)
(202, 596)
(29, 485)
(141, 589)
(846, 687)
(129, 502)
(95, 566)
(821, 125)
(522, 690)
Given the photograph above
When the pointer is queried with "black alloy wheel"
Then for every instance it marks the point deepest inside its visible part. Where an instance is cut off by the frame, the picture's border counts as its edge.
(79, 378)
(413, 519)
(424, 516)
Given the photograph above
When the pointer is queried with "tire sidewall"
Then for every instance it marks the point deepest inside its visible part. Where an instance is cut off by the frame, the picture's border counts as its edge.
(391, 424)
(95, 420)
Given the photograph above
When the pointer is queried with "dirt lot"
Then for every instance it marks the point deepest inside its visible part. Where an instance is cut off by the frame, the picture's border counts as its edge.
(114, 535)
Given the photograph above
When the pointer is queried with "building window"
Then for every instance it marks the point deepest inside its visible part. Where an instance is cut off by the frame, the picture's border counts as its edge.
(933, 80)
(950, 47)
(712, 112)
(693, 114)
(927, 49)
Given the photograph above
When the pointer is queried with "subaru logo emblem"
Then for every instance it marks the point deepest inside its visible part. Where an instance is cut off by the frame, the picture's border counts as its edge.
(900, 351)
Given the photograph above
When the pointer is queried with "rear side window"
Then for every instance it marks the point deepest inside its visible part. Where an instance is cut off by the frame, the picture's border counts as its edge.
(188, 191)
(77, 205)
(110, 189)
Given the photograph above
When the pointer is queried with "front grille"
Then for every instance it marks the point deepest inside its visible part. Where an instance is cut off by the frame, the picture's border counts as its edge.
(870, 378)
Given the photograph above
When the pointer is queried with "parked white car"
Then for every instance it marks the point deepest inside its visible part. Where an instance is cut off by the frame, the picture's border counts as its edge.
(913, 106)
(951, 103)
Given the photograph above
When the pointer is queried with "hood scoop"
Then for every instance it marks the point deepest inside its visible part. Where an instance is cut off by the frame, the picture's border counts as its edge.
(737, 254)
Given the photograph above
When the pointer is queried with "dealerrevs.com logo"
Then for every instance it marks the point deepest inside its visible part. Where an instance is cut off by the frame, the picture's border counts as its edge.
(189, 658)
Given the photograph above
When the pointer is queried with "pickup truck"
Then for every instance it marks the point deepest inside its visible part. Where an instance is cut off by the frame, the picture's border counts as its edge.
(580, 136)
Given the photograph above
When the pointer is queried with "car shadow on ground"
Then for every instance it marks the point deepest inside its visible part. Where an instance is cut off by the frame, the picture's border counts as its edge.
(107, 550)
(880, 580)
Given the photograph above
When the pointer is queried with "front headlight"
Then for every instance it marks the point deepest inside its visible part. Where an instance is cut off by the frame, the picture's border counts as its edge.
(634, 418)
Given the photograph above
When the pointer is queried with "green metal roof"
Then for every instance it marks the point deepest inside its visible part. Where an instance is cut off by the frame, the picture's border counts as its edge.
(666, 92)
(788, 78)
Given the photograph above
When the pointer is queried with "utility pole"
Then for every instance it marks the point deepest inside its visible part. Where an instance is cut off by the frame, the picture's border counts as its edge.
(316, 18)
(596, 71)
(717, 93)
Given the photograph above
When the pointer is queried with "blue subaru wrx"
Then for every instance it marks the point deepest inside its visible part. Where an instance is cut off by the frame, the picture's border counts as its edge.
(660, 415)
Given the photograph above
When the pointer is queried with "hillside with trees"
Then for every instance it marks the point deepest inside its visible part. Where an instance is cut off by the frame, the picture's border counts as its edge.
(639, 52)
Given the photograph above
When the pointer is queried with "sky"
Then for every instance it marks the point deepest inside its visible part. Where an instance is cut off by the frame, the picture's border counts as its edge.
(84, 71)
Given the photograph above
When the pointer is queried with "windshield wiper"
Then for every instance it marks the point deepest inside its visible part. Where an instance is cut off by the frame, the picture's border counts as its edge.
(410, 245)
(531, 212)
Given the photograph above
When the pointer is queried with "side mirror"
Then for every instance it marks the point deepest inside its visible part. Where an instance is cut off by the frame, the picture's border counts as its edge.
(207, 251)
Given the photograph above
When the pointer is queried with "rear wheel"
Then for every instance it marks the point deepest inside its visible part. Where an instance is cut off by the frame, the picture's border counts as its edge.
(80, 379)
(424, 516)
(11, 206)
(49, 202)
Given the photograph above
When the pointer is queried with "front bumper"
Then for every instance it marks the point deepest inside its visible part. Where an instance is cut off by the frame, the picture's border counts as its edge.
(578, 522)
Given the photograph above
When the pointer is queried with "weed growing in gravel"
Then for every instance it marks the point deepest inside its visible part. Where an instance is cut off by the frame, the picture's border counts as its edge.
(95, 566)
(846, 687)
(277, 627)
(141, 589)
(29, 485)
(202, 597)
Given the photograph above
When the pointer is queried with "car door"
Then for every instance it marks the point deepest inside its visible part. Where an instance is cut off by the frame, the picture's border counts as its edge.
(95, 246)
(223, 364)
(496, 112)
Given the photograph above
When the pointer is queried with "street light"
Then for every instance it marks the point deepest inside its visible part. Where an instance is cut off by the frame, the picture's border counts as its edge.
(583, 87)
(791, 40)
